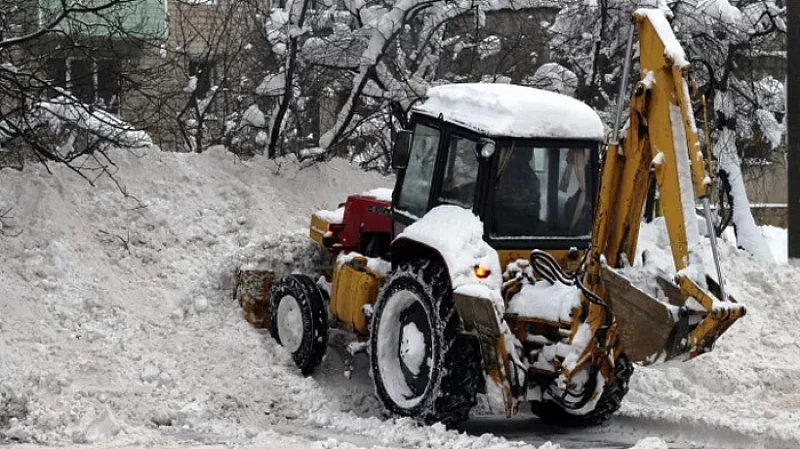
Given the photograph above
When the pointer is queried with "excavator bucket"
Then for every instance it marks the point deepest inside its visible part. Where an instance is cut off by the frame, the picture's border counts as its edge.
(253, 293)
(683, 325)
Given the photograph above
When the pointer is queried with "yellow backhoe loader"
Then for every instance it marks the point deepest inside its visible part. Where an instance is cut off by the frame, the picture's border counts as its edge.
(499, 263)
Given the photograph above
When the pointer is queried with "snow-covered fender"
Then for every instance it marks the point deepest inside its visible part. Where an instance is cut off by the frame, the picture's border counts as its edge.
(454, 236)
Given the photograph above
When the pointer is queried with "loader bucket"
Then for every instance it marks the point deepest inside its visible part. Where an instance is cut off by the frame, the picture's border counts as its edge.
(652, 330)
(253, 294)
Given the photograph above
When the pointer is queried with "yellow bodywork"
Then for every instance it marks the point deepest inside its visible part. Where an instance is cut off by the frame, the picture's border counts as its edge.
(568, 262)
(354, 286)
(660, 144)
(318, 229)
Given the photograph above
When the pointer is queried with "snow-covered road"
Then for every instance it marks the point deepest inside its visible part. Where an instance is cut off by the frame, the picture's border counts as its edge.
(117, 327)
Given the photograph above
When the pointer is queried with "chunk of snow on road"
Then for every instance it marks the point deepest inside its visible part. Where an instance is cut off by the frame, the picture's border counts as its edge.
(513, 111)
(103, 428)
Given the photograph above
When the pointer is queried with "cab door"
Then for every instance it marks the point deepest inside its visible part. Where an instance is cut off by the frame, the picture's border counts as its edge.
(442, 168)
(413, 191)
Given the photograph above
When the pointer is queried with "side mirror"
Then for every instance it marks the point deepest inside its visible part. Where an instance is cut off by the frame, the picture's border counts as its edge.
(485, 148)
(402, 149)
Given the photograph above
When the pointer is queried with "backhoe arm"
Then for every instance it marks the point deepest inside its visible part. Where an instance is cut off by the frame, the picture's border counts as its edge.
(660, 145)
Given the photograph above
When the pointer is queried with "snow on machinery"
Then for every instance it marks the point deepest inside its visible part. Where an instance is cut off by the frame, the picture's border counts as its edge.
(489, 269)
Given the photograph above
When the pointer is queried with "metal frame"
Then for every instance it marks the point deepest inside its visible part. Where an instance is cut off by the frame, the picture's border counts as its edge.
(793, 125)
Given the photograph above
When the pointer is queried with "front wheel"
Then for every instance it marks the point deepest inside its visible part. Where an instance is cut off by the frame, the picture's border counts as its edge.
(609, 402)
(298, 320)
(421, 364)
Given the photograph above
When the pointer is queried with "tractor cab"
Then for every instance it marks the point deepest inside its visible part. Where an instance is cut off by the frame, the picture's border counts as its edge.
(524, 160)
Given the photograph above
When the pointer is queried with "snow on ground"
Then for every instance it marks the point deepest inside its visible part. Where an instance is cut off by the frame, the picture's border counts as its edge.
(750, 383)
(778, 242)
(117, 325)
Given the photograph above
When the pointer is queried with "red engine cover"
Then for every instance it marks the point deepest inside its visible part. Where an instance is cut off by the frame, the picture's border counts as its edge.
(363, 215)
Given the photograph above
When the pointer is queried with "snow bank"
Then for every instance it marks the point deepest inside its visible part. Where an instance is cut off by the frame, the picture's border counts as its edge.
(513, 111)
(116, 320)
(123, 305)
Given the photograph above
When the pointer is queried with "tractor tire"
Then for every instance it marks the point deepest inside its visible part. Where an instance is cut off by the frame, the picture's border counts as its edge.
(422, 365)
(610, 401)
(298, 320)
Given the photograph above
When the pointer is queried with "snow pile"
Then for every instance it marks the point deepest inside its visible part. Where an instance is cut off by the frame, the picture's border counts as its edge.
(749, 384)
(509, 110)
(116, 317)
(117, 325)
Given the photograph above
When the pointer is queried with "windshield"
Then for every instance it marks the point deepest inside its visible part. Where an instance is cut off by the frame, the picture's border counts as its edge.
(542, 191)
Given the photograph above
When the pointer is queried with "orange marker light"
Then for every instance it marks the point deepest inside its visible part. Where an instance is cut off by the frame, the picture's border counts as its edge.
(482, 272)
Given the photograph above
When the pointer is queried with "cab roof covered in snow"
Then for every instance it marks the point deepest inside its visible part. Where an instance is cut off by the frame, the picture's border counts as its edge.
(507, 110)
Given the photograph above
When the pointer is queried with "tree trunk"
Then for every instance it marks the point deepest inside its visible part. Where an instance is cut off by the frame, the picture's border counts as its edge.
(748, 236)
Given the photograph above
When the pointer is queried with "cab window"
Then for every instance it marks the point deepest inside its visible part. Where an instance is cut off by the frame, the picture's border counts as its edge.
(461, 173)
(542, 191)
(416, 187)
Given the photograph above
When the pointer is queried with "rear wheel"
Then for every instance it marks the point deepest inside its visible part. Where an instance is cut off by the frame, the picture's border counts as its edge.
(609, 402)
(298, 320)
(421, 365)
